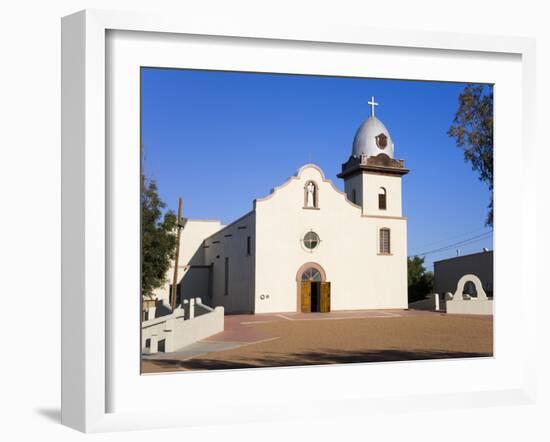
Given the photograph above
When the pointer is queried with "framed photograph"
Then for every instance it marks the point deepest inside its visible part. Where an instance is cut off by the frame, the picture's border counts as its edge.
(291, 221)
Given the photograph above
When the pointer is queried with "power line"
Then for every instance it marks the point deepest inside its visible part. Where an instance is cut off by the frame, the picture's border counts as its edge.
(460, 243)
(449, 238)
(464, 249)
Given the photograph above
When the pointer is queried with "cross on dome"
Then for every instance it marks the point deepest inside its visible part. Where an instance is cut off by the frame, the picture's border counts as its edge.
(372, 104)
(372, 137)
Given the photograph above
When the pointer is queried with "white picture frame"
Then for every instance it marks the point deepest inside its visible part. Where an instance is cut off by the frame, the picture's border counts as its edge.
(88, 230)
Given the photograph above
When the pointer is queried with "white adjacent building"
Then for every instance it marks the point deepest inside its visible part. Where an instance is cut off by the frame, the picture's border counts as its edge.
(307, 246)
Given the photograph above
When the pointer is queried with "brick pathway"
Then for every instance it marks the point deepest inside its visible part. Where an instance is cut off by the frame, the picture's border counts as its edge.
(344, 336)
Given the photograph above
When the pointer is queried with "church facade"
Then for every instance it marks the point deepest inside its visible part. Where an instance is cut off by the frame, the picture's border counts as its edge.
(307, 246)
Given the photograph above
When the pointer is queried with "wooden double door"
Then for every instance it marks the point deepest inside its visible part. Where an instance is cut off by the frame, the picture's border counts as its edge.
(315, 296)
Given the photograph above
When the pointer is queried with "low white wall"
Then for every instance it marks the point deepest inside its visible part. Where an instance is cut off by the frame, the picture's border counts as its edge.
(470, 306)
(188, 332)
(464, 303)
(178, 332)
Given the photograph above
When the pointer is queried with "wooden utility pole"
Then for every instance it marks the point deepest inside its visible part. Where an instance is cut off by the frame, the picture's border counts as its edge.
(176, 263)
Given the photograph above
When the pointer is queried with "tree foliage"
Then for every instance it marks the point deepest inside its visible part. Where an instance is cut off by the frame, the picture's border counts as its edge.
(158, 238)
(420, 281)
(472, 130)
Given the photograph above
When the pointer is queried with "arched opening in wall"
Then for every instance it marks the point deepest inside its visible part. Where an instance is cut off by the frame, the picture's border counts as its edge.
(311, 195)
(470, 289)
(382, 198)
(313, 289)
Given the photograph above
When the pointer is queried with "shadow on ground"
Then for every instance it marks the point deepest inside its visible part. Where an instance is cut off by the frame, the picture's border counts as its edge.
(51, 414)
(309, 358)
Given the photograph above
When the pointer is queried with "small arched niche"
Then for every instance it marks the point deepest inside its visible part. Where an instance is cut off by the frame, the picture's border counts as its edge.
(311, 195)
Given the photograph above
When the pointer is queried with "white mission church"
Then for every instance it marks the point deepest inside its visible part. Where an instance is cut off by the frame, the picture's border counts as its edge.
(308, 246)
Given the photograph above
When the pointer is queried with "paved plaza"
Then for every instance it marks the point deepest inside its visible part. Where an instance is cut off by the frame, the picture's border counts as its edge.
(291, 339)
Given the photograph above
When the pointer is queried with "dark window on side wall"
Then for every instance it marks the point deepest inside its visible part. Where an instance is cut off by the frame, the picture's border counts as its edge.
(248, 246)
(226, 281)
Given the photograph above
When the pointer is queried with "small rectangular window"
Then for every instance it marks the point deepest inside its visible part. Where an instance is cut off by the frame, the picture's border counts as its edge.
(385, 241)
(226, 281)
(248, 246)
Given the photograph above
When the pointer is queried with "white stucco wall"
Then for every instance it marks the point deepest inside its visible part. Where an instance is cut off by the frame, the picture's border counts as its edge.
(195, 283)
(178, 331)
(354, 183)
(367, 187)
(265, 279)
(191, 253)
(360, 277)
(470, 306)
(231, 243)
(371, 188)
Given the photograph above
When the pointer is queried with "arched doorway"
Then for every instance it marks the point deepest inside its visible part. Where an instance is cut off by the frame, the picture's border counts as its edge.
(313, 289)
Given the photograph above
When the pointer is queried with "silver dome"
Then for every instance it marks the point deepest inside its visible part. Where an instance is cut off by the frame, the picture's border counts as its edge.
(372, 138)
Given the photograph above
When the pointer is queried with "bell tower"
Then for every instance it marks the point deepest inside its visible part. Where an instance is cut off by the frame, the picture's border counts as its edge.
(372, 177)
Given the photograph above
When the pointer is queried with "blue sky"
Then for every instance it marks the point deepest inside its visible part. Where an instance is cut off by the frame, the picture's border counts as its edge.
(255, 130)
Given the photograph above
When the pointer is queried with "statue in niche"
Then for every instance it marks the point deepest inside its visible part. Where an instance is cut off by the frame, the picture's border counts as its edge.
(310, 194)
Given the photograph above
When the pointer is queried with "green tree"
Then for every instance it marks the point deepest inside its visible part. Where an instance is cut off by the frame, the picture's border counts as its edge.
(420, 281)
(158, 238)
(472, 130)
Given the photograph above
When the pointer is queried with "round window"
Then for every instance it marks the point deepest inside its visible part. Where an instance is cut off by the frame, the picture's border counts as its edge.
(311, 240)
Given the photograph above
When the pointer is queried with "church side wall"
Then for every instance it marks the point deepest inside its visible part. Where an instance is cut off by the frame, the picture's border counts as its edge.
(192, 280)
(360, 278)
(235, 293)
